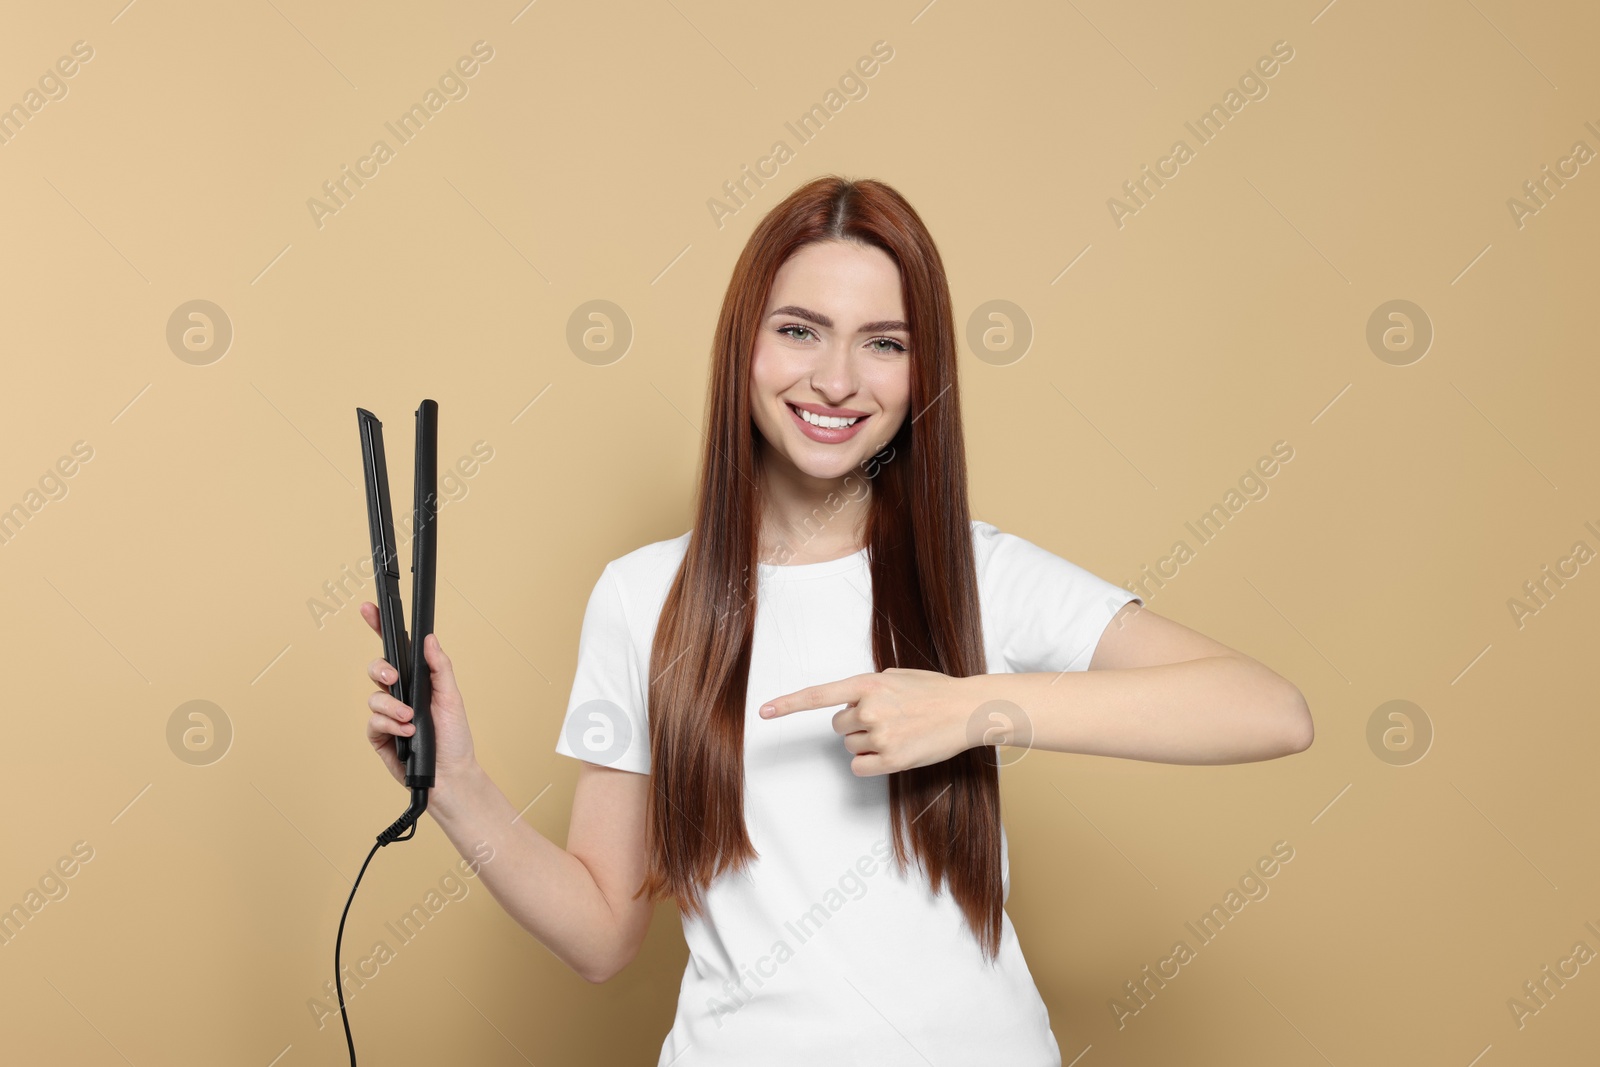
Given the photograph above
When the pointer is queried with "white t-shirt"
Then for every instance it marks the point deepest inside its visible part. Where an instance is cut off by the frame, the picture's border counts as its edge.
(822, 952)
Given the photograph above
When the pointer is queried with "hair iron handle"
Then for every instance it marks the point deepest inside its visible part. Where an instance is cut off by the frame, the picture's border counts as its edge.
(424, 557)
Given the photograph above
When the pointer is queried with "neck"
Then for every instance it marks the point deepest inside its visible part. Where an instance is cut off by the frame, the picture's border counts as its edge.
(806, 519)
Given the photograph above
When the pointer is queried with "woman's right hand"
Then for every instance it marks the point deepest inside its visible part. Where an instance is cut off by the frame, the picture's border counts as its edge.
(453, 753)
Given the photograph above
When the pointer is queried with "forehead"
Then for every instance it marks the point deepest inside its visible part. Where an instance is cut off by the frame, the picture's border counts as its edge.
(843, 277)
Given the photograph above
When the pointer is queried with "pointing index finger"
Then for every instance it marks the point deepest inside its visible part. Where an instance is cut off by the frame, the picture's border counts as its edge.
(824, 695)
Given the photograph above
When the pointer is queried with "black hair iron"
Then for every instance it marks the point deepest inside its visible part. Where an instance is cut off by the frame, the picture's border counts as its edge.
(413, 684)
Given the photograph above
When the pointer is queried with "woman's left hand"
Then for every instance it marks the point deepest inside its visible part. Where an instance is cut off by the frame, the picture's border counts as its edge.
(895, 719)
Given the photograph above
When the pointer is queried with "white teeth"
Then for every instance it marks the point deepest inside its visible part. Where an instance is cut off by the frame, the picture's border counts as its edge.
(825, 421)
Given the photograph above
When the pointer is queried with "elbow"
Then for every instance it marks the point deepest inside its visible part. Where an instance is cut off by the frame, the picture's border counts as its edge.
(602, 971)
(599, 976)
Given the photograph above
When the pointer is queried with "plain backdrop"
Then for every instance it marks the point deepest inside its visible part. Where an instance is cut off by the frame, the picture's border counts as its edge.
(1123, 371)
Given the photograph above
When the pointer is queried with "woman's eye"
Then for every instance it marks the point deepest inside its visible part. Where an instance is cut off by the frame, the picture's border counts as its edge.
(796, 331)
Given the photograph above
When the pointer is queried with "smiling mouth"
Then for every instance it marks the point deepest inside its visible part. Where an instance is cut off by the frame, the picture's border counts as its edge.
(825, 429)
(827, 422)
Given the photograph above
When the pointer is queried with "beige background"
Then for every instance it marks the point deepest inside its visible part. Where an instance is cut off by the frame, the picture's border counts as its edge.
(1229, 313)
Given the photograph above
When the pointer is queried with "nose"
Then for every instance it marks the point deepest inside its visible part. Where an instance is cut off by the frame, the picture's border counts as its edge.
(833, 375)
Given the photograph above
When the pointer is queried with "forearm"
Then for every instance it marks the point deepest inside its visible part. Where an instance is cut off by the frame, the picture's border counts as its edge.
(1216, 709)
(545, 888)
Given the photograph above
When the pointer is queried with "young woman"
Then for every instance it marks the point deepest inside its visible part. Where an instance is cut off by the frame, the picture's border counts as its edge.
(789, 715)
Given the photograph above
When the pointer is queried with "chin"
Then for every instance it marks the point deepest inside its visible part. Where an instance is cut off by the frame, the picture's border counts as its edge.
(823, 466)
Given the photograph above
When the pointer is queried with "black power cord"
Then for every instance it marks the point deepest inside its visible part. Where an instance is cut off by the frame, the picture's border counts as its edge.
(402, 829)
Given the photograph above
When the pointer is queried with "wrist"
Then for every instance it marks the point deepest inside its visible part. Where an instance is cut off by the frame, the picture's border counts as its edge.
(454, 791)
(991, 716)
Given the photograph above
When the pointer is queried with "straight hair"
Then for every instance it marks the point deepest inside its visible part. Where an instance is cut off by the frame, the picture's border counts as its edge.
(925, 610)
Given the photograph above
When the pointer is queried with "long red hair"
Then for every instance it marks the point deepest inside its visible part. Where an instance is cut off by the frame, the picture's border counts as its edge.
(924, 586)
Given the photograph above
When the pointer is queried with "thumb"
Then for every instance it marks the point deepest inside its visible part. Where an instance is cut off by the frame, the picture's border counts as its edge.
(443, 672)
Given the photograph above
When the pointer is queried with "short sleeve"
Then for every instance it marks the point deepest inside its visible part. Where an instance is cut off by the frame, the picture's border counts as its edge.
(1042, 612)
(606, 720)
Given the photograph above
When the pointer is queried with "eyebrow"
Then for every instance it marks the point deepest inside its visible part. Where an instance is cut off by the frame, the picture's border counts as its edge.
(826, 323)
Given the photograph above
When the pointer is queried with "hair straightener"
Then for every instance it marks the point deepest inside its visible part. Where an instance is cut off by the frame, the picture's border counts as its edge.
(413, 684)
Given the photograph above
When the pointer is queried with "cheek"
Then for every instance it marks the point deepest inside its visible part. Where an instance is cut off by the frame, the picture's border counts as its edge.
(893, 387)
(774, 364)
(765, 383)
(774, 370)
(766, 371)
(760, 361)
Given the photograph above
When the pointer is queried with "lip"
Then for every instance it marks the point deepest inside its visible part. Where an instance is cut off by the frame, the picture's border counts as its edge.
(817, 433)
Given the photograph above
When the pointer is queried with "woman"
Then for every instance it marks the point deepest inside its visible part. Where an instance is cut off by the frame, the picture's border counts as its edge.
(833, 564)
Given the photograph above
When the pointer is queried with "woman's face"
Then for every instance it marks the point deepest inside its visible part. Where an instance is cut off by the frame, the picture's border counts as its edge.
(834, 342)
